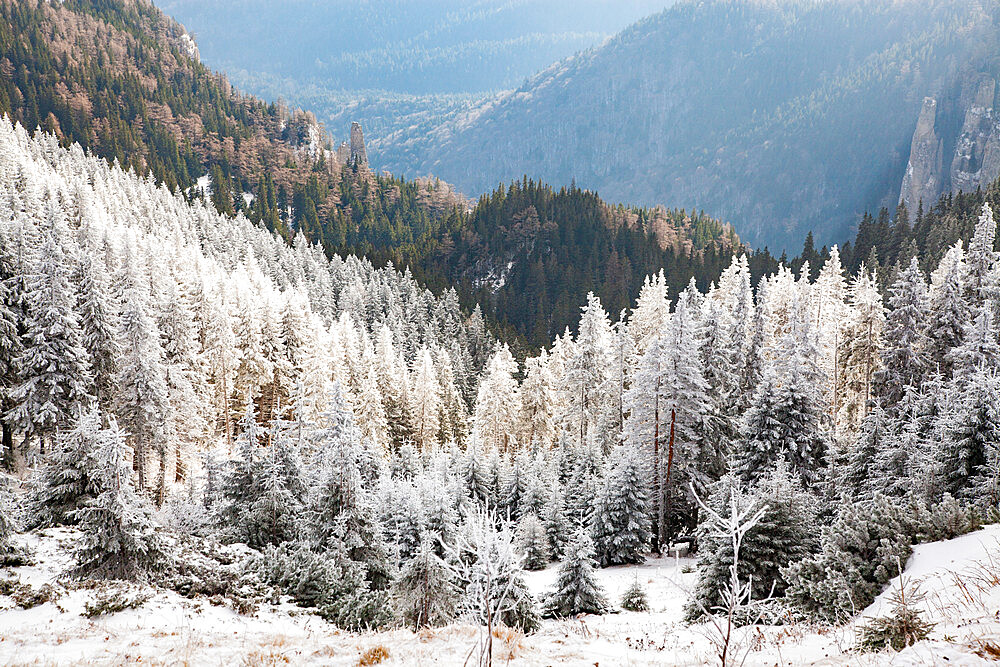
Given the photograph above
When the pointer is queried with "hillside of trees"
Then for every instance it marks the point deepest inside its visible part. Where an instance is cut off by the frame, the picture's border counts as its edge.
(175, 376)
(159, 111)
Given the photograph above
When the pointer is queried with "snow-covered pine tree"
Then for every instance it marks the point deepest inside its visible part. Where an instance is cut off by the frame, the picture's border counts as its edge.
(583, 486)
(970, 432)
(9, 519)
(340, 513)
(534, 543)
(904, 355)
(143, 403)
(857, 557)
(856, 476)
(896, 467)
(99, 326)
(634, 598)
(650, 315)
(489, 568)
(577, 590)
(425, 401)
(785, 420)
(948, 309)
(859, 355)
(260, 494)
(538, 402)
(828, 295)
(425, 593)
(557, 527)
(120, 540)
(370, 412)
(668, 406)
(982, 257)
(980, 345)
(621, 525)
(12, 315)
(586, 380)
(64, 482)
(223, 358)
(494, 420)
(783, 535)
(53, 368)
(454, 421)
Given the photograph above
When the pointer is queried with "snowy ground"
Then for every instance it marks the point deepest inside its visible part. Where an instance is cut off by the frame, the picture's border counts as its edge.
(961, 578)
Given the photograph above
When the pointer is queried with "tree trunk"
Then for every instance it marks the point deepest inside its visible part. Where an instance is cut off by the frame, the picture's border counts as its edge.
(14, 456)
(670, 465)
(657, 487)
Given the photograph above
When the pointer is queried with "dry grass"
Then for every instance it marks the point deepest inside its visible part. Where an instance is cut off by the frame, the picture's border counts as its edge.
(269, 654)
(373, 656)
(988, 651)
(265, 657)
(508, 642)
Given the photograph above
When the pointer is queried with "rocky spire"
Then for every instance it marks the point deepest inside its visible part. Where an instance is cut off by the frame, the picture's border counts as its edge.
(358, 154)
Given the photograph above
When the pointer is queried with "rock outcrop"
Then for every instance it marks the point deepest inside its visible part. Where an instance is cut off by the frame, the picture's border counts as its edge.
(977, 150)
(359, 155)
(975, 161)
(922, 180)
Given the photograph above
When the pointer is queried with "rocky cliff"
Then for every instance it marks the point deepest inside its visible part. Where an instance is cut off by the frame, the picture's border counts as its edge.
(975, 157)
(922, 180)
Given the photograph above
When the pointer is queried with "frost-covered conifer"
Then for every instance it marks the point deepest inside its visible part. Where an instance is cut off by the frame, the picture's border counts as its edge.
(982, 258)
(425, 401)
(340, 511)
(99, 327)
(534, 543)
(65, 481)
(261, 490)
(970, 434)
(859, 355)
(586, 381)
(857, 478)
(490, 571)
(621, 525)
(905, 353)
(425, 593)
(494, 422)
(557, 526)
(783, 535)
(948, 309)
(120, 540)
(143, 403)
(53, 367)
(634, 598)
(783, 423)
(857, 557)
(538, 404)
(577, 590)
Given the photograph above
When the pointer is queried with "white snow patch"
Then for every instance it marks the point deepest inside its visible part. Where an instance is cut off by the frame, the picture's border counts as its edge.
(171, 629)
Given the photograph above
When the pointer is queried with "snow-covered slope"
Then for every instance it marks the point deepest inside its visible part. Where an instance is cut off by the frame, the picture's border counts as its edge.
(961, 578)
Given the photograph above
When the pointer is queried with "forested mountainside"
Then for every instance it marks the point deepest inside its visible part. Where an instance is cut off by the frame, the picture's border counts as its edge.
(381, 462)
(782, 117)
(436, 46)
(124, 81)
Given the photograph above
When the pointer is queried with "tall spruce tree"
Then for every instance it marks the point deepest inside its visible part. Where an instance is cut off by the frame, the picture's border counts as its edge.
(621, 526)
(53, 367)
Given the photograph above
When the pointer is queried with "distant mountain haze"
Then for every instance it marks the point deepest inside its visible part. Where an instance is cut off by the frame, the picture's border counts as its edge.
(781, 117)
(399, 46)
